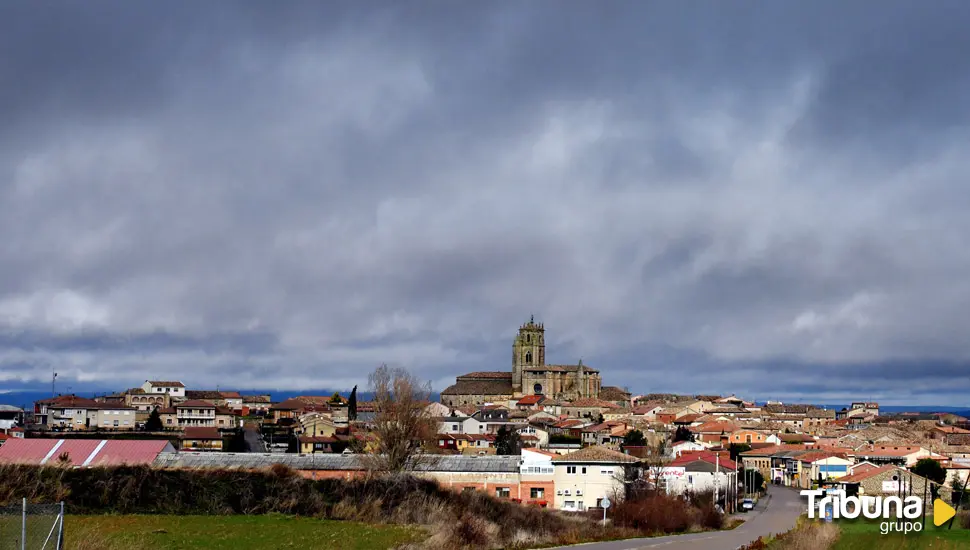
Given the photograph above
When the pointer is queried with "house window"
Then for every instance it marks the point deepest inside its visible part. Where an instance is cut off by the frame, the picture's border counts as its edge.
(747, 438)
(584, 470)
(467, 489)
(537, 492)
(502, 492)
(454, 427)
(569, 504)
(570, 469)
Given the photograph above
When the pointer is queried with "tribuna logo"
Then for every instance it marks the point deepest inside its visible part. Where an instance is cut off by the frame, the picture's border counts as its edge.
(868, 506)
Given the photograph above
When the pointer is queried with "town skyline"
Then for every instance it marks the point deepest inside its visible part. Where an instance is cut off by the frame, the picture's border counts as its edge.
(697, 198)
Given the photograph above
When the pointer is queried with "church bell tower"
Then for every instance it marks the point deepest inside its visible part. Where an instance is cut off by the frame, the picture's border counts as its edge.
(528, 350)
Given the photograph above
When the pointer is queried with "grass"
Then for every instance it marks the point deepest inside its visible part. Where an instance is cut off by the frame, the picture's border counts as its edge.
(272, 531)
(865, 535)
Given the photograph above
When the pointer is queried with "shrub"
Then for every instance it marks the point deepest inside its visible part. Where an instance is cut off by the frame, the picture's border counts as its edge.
(472, 517)
(805, 536)
(654, 514)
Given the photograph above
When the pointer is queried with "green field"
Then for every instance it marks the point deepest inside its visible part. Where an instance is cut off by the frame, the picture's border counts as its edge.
(863, 535)
(230, 533)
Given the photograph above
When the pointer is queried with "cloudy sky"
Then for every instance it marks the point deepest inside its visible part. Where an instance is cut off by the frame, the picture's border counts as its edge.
(767, 198)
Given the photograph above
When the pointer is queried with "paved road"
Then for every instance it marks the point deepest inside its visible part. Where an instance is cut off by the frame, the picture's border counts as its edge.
(777, 515)
(253, 443)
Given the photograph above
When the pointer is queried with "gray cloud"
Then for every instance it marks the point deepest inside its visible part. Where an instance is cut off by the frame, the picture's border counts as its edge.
(749, 198)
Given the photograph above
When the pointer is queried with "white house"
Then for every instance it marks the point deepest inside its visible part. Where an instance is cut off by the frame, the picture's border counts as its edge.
(156, 387)
(697, 474)
(685, 446)
(585, 477)
(10, 416)
(437, 410)
(541, 434)
(537, 462)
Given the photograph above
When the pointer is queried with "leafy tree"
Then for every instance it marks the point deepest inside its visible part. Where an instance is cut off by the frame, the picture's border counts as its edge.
(683, 434)
(335, 398)
(352, 405)
(154, 422)
(930, 469)
(634, 438)
(736, 449)
(237, 442)
(564, 438)
(599, 419)
(508, 442)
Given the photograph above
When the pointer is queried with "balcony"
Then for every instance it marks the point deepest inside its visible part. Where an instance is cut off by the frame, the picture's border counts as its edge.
(203, 416)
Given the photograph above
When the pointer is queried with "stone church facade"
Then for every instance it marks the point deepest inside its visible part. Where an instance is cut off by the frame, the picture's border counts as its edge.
(530, 376)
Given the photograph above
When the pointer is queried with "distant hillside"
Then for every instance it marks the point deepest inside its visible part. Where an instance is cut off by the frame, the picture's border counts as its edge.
(26, 399)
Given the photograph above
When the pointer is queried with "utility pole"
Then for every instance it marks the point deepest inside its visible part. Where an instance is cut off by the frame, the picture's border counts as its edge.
(717, 471)
(53, 381)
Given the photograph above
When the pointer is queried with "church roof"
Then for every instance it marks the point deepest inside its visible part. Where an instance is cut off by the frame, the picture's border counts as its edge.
(480, 387)
(491, 375)
(546, 368)
(574, 368)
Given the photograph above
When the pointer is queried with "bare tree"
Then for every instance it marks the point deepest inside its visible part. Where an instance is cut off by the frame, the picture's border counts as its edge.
(645, 477)
(402, 425)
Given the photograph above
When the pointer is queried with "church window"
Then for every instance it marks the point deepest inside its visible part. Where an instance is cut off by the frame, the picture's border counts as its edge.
(528, 338)
(528, 358)
(537, 388)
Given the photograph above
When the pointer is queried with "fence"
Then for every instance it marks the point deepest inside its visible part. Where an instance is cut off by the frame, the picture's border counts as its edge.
(32, 526)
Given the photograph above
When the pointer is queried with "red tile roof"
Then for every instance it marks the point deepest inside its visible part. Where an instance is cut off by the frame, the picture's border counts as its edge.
(304, 402)
(715, 427)
(540, 451)
(589, 402)
(856, 477)
(196, 403)
(530, 400)
(165, 383)
(201, 432)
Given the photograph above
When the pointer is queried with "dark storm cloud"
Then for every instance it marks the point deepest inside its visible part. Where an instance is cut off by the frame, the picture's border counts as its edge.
(763, 198)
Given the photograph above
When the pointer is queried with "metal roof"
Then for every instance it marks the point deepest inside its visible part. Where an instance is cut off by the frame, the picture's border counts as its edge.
(10, 408)
(82, 452)
(324, 461)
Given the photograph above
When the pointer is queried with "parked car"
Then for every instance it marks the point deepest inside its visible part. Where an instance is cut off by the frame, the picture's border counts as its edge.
(747, 504)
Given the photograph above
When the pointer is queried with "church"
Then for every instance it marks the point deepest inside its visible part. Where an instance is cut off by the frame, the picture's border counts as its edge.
(530, 375)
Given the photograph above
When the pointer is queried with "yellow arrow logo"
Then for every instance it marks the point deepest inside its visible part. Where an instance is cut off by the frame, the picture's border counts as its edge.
(942, 512)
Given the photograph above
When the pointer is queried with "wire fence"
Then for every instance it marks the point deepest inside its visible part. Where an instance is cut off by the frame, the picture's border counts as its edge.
(32, 527)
